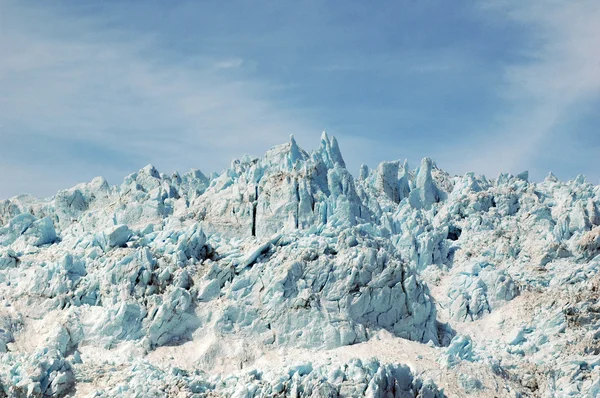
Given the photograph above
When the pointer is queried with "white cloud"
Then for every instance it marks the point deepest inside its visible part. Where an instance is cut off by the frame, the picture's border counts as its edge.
(558, 69)
(63, 78)
(233, 63)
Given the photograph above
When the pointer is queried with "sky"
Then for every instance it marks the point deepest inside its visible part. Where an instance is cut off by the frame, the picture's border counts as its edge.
(92, 88)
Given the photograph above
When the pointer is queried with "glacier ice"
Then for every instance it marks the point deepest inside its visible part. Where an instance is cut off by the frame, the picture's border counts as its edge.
(286, 276)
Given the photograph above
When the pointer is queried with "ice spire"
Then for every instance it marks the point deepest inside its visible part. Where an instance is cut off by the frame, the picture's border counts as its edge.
(426, 193)
(364, 172)
(403, 181)
(295, 154)
(336, 154)
(551, 177)
(387, 180)
(329, 151)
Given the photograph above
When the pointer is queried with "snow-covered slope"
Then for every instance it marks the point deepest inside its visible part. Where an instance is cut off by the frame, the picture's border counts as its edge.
(285, 276)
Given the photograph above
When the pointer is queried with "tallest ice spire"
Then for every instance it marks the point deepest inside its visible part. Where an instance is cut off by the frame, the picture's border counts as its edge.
(330, 151)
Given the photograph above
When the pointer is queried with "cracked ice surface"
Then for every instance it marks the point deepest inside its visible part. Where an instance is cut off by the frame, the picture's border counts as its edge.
(285, 276)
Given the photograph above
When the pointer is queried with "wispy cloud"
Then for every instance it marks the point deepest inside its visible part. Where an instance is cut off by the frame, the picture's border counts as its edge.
(229, 63)
(558, 68)
(101, 89)
(107, 89)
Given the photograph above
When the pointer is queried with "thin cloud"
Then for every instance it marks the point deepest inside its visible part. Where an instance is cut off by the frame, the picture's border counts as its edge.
(86, 93)
(107, 89)
(559, 68)
(230, 64)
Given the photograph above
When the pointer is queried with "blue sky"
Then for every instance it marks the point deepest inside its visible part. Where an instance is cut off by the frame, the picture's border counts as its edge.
(93, 88)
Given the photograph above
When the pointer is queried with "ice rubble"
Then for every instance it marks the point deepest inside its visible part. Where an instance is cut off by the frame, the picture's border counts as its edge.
(181, 285)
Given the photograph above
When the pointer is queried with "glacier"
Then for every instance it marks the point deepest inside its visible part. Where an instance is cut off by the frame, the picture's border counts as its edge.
(286, 276)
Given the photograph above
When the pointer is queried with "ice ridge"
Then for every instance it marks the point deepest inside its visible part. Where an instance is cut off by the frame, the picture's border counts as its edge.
(286, 276)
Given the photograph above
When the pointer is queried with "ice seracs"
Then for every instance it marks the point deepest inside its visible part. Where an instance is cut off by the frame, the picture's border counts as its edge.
(425, 192)
(284, 276)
